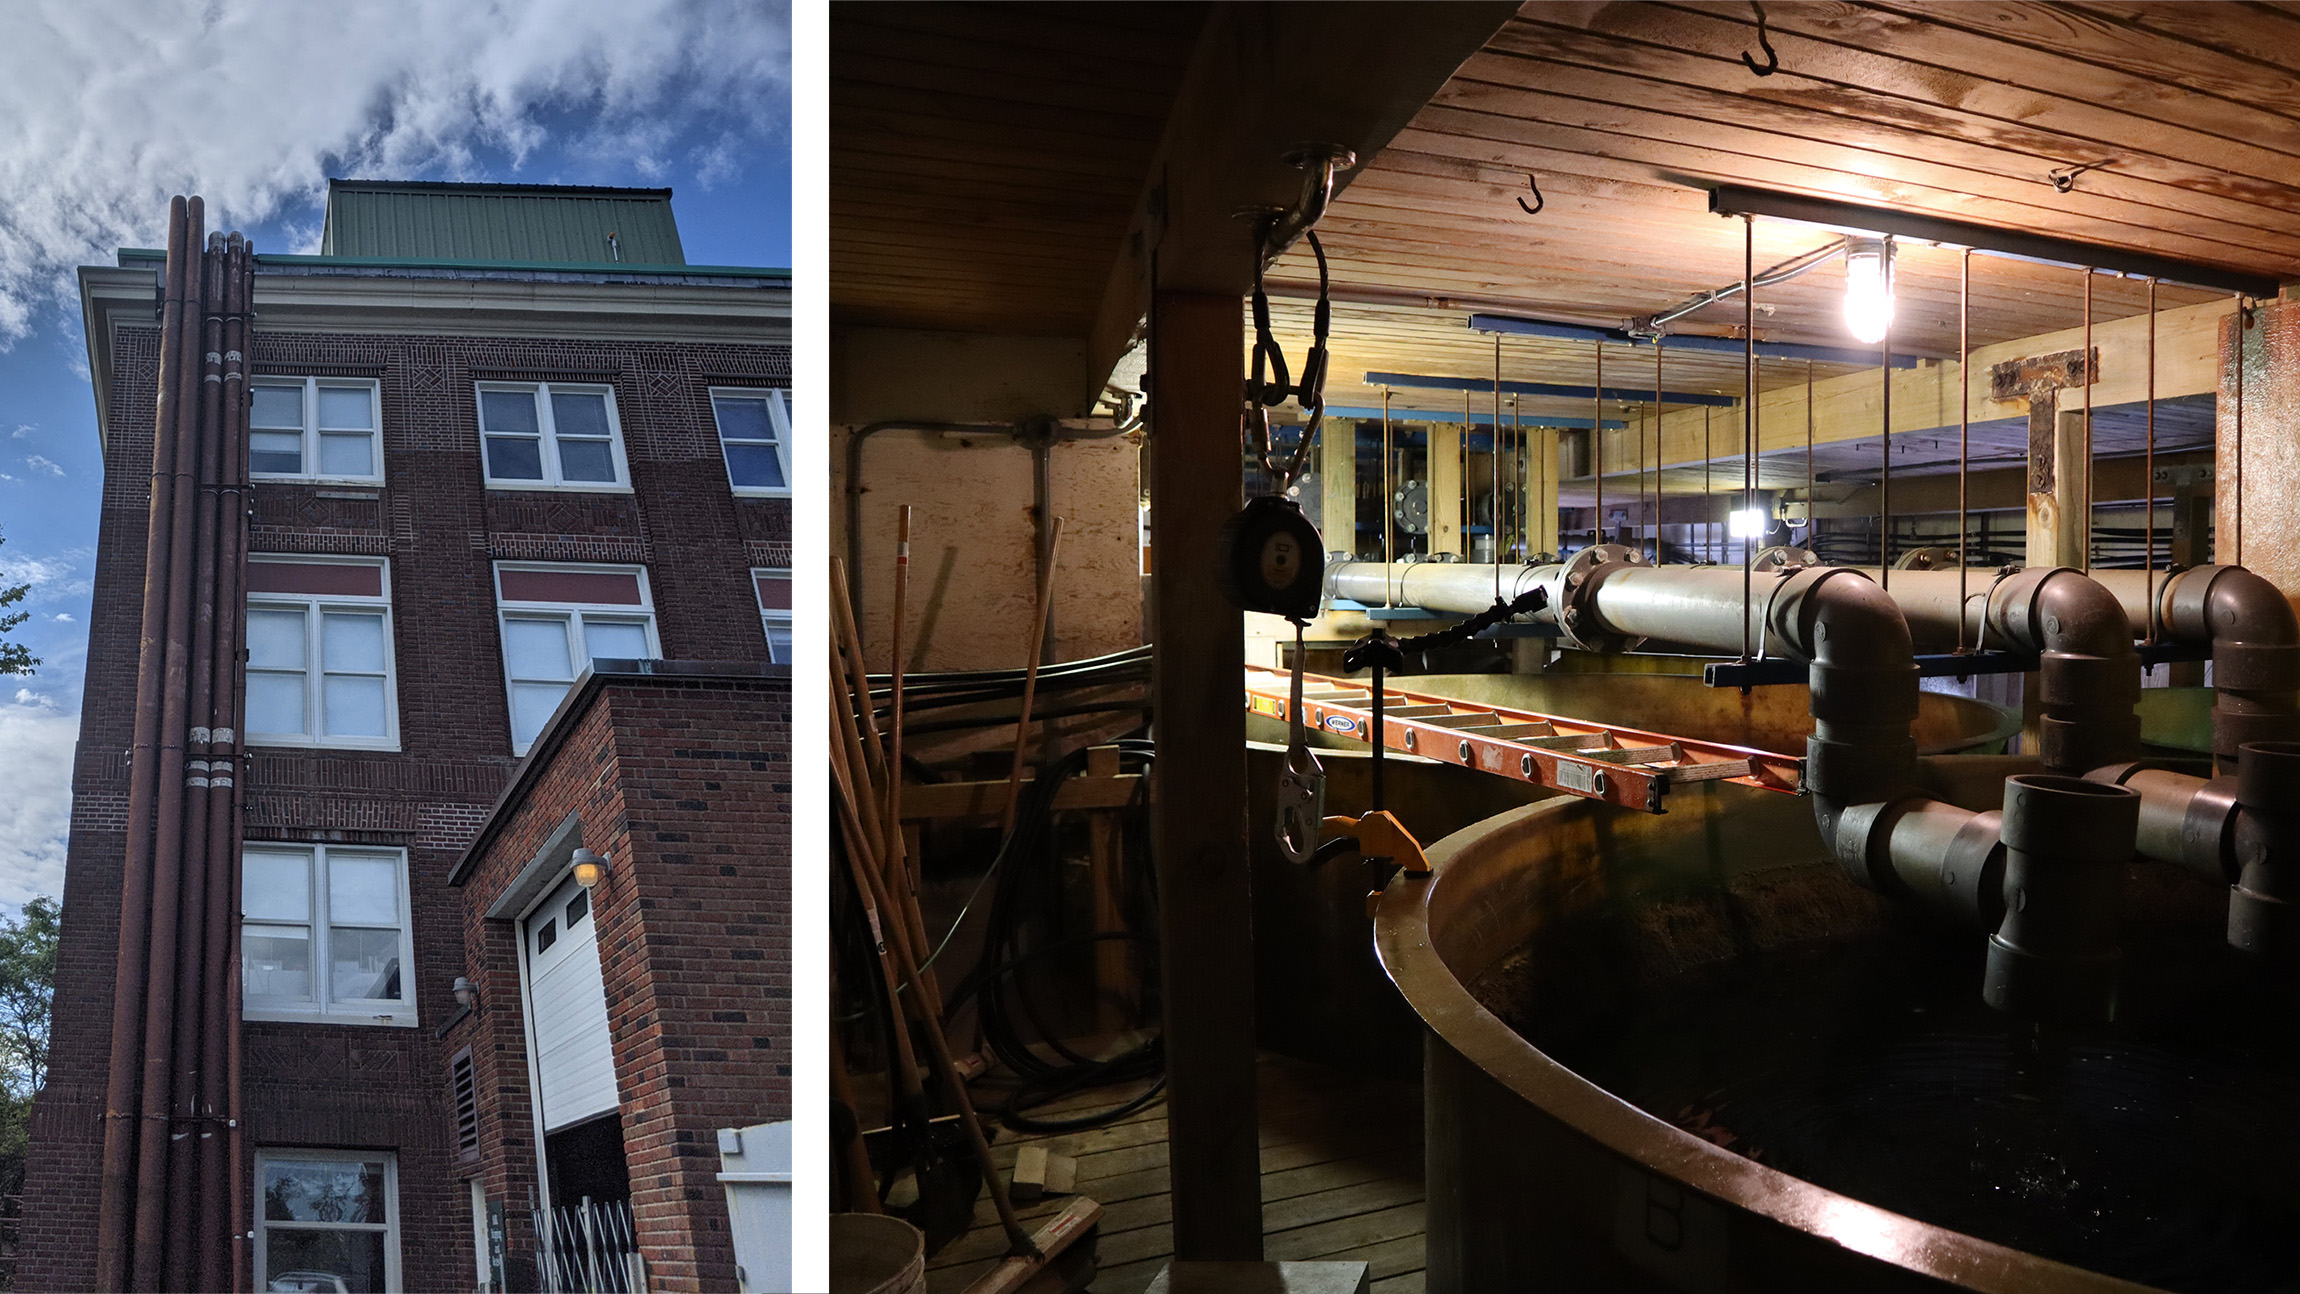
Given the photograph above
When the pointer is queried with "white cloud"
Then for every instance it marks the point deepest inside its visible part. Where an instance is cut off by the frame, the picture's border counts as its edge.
(53, 577)
(39, 700)
(43, 463)
(113, 105)
(23, 430)
(36, 744)
(63, 618)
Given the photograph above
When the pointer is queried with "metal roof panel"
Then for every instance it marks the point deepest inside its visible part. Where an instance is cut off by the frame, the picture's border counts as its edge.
(531, 223)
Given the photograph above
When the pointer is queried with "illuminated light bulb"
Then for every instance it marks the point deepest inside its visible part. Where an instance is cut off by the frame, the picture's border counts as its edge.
(1747, 523)
(1868, 300)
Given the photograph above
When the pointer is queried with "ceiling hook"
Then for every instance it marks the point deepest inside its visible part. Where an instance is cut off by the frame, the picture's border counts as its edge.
(1538, 201)
(2064, 179)
(1772, 56)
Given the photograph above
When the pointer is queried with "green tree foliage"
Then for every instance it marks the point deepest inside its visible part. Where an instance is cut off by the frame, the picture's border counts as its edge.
(27, 997)
(15, 658)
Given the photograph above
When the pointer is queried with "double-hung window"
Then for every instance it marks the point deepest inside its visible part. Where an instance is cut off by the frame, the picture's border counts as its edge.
(551, 436)
(320, 653)
(327, 1220)
(556, 620)
(324, 934)
(314, 429)
(774, 590)
(755, 436)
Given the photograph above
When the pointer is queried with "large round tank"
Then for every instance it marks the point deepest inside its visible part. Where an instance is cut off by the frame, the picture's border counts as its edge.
(1684, 1052)
(1319, 993)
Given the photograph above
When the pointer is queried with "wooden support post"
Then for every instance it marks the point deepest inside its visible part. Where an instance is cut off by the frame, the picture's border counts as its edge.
(1113, 980)
(1337, 516)
(1443, 468)
(1198, 827)
(2057, 525)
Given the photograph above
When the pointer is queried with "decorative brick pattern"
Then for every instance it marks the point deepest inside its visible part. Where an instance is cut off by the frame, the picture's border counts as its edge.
(348, 1085)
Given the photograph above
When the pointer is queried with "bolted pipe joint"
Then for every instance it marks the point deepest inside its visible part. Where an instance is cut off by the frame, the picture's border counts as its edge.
(2264, 903)
(2089, 674)
(2067, 841)
(2255, 655)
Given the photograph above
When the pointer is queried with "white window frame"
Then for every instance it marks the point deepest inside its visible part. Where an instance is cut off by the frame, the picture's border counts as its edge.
(323, 1007)
(268, 1155)
(314, 605)
(311, 433)
(770, 621)
(778, 414)
(571, 614)
(547, 438)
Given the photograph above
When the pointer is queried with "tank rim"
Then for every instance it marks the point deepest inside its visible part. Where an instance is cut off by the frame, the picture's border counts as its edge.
(1408, 955)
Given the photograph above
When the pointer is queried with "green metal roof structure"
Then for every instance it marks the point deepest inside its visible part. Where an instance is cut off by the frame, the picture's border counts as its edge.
(520, 223)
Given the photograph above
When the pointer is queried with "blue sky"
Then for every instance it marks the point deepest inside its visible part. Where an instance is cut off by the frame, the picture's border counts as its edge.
(108, 119)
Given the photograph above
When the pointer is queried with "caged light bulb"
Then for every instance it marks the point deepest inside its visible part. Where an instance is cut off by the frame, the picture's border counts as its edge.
(1868, 299)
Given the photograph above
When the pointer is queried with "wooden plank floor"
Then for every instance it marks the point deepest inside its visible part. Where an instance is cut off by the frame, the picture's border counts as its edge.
(1341, 1178)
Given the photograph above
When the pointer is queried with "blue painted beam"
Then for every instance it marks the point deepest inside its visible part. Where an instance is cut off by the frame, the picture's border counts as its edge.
(1686, 341)
(1454, 416)
(1628, 394)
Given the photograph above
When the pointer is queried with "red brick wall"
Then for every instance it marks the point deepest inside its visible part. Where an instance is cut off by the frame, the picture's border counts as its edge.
(327, 1085)
(685, 785)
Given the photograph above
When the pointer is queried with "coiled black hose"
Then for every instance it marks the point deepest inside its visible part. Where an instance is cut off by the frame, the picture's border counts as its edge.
(1012, 1021)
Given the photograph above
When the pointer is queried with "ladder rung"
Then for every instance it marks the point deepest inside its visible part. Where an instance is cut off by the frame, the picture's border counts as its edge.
(1411, 711)
(1516, 731)
(1711, 771)
(1634, 754)
(1366, 697)
(1463, 720)
(1577, 742)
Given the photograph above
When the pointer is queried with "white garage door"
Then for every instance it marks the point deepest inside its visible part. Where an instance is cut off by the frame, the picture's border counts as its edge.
(574, 1050)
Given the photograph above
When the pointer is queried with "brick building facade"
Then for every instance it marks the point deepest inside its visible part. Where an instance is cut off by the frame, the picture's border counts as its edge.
(459, 451)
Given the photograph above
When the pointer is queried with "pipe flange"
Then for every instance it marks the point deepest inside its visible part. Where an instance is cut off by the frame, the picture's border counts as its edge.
(1573, 597)
(1783, 557)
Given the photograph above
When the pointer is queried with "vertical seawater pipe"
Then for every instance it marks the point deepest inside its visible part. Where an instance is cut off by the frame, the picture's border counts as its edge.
(115, 1195)
(219, 1005)
(180, 1266)
(167, 838)
(241, 1202)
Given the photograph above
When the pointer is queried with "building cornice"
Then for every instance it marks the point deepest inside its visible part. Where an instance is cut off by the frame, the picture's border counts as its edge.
(556, 304)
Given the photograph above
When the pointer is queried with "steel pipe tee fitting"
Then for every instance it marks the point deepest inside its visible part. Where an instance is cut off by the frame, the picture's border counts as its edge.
(2067, 840)
(2264, 904)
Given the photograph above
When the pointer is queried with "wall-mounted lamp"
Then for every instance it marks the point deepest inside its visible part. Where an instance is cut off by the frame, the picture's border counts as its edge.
(1868, 289)
(466, 1005)
(590, 868)
(1748, 523)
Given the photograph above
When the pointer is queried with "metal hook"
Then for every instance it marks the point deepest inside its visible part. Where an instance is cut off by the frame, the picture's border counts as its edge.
(2064, 179)
(1538, 201)
(1772, 56)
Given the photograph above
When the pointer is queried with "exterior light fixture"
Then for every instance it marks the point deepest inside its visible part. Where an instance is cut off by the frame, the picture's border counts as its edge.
(590, 868)
(1868, 289)
(466, 993)
(1747, 523)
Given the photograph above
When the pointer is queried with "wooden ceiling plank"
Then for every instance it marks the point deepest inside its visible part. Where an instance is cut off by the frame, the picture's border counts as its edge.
(1139, 100)
(1831, 170)
(1157, 35)
(2235, 99)
(1956, 74)
(1953, 158)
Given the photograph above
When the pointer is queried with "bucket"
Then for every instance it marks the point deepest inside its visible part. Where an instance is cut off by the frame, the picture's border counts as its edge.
(875, 1254)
